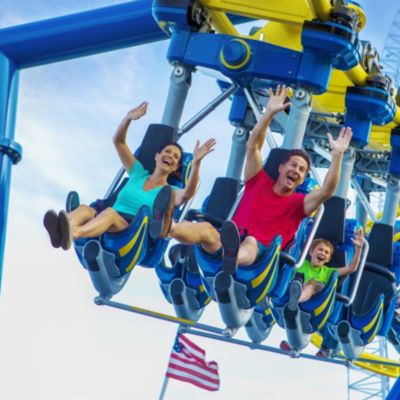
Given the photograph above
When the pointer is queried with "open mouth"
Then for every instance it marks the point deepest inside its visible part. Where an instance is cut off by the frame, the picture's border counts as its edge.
(321, 258)
(291, 178)
(167, 161)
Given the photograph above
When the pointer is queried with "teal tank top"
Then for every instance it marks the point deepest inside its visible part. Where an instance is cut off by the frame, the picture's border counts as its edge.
(133, 196)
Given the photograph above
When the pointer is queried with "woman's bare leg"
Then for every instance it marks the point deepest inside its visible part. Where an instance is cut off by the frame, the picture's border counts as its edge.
(81, 215)
(108, 220)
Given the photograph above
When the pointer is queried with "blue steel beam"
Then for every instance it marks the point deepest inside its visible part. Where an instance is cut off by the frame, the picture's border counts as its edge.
(10, 151)
(82, 34)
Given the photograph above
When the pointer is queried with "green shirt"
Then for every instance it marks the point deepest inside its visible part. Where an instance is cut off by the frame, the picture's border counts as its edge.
(132, 196)
(319, 273)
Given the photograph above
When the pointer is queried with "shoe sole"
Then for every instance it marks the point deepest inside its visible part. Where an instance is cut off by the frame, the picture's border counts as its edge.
(51, 223)
(284, 345)
(161, 207)
(65, 228)
(294, 295)
(230, 240)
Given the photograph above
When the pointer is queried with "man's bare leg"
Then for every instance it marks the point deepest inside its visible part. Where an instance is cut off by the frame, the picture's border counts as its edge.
(248, 251)
(202, 233)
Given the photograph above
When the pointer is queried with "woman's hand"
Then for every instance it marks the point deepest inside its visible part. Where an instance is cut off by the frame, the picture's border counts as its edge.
(200, 151)
(138, 111)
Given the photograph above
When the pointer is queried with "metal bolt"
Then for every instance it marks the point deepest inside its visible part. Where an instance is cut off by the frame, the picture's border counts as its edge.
(239, 132)
(300, 94)
(179, 71)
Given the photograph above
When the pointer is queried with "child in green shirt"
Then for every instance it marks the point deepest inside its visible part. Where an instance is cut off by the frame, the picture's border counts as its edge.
(316, 276)
(316, 273)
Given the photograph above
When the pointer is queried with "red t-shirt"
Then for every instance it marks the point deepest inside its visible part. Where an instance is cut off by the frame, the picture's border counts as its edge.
(265, 214)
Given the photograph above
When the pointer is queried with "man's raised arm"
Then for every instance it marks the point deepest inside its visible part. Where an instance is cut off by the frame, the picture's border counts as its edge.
(314, 199)
(257, 137)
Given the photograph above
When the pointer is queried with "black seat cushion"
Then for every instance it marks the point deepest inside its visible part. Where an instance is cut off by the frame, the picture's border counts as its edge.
(275, 158)
(332, 226)
(381, 245)
(222, 197)
(375, 280)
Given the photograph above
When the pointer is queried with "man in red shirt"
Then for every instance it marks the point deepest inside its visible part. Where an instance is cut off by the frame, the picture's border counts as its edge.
(268, 208)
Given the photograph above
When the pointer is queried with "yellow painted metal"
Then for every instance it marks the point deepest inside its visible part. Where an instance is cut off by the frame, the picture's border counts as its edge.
(289, 11)
(381, 369)
(322, 8)
(362, 18)
(279, 34)
(222, 23)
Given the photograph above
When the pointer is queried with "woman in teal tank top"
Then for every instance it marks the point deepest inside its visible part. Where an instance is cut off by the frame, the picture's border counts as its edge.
(141, 189)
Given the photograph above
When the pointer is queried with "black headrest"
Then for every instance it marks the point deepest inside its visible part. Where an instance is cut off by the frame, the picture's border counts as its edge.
(157, 136)
(381, 245)
(275, 158)
(223, 196)
(333, 221)
(339, 258)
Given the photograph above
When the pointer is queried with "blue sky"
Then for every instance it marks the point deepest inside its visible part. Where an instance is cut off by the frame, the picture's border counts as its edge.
(54, 342)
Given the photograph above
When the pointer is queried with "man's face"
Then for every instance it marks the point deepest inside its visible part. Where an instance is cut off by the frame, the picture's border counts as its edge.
(320, 255)
(292, 173)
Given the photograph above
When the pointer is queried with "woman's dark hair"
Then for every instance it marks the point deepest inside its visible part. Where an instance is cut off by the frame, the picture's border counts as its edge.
(177, 174)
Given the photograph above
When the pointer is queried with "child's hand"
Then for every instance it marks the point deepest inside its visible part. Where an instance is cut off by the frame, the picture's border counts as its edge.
(359, 239)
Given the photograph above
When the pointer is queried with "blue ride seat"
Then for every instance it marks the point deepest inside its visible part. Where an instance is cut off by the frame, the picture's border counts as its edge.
(111, 257)
(372, 312)
(181, 283)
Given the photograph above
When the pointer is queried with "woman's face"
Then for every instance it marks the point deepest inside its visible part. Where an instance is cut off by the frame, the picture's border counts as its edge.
(168, 159)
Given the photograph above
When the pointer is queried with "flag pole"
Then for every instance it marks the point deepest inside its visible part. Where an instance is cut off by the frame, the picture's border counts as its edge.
(166, 379)
(164, 388)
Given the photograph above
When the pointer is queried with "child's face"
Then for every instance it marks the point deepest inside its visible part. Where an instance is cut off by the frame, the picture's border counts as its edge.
(320, 255)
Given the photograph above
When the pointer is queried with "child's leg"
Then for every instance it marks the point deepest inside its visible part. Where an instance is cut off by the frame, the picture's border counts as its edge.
(310, 288)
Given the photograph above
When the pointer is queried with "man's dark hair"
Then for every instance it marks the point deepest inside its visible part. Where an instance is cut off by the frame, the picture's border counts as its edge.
(300, 153)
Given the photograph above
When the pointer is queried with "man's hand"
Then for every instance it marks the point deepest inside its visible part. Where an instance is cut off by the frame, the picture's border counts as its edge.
(341, 144)
(137, 112)
(200, 151)
(276, 100)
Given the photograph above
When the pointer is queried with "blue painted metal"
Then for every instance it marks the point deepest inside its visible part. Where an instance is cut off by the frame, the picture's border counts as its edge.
(8, 104)
(366, 106)
(245, 60)
(332, 41)
(80, 34)
(394, 166)
(189, 48)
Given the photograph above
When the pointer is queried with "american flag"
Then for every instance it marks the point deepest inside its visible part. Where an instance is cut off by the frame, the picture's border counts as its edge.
(188, 363)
